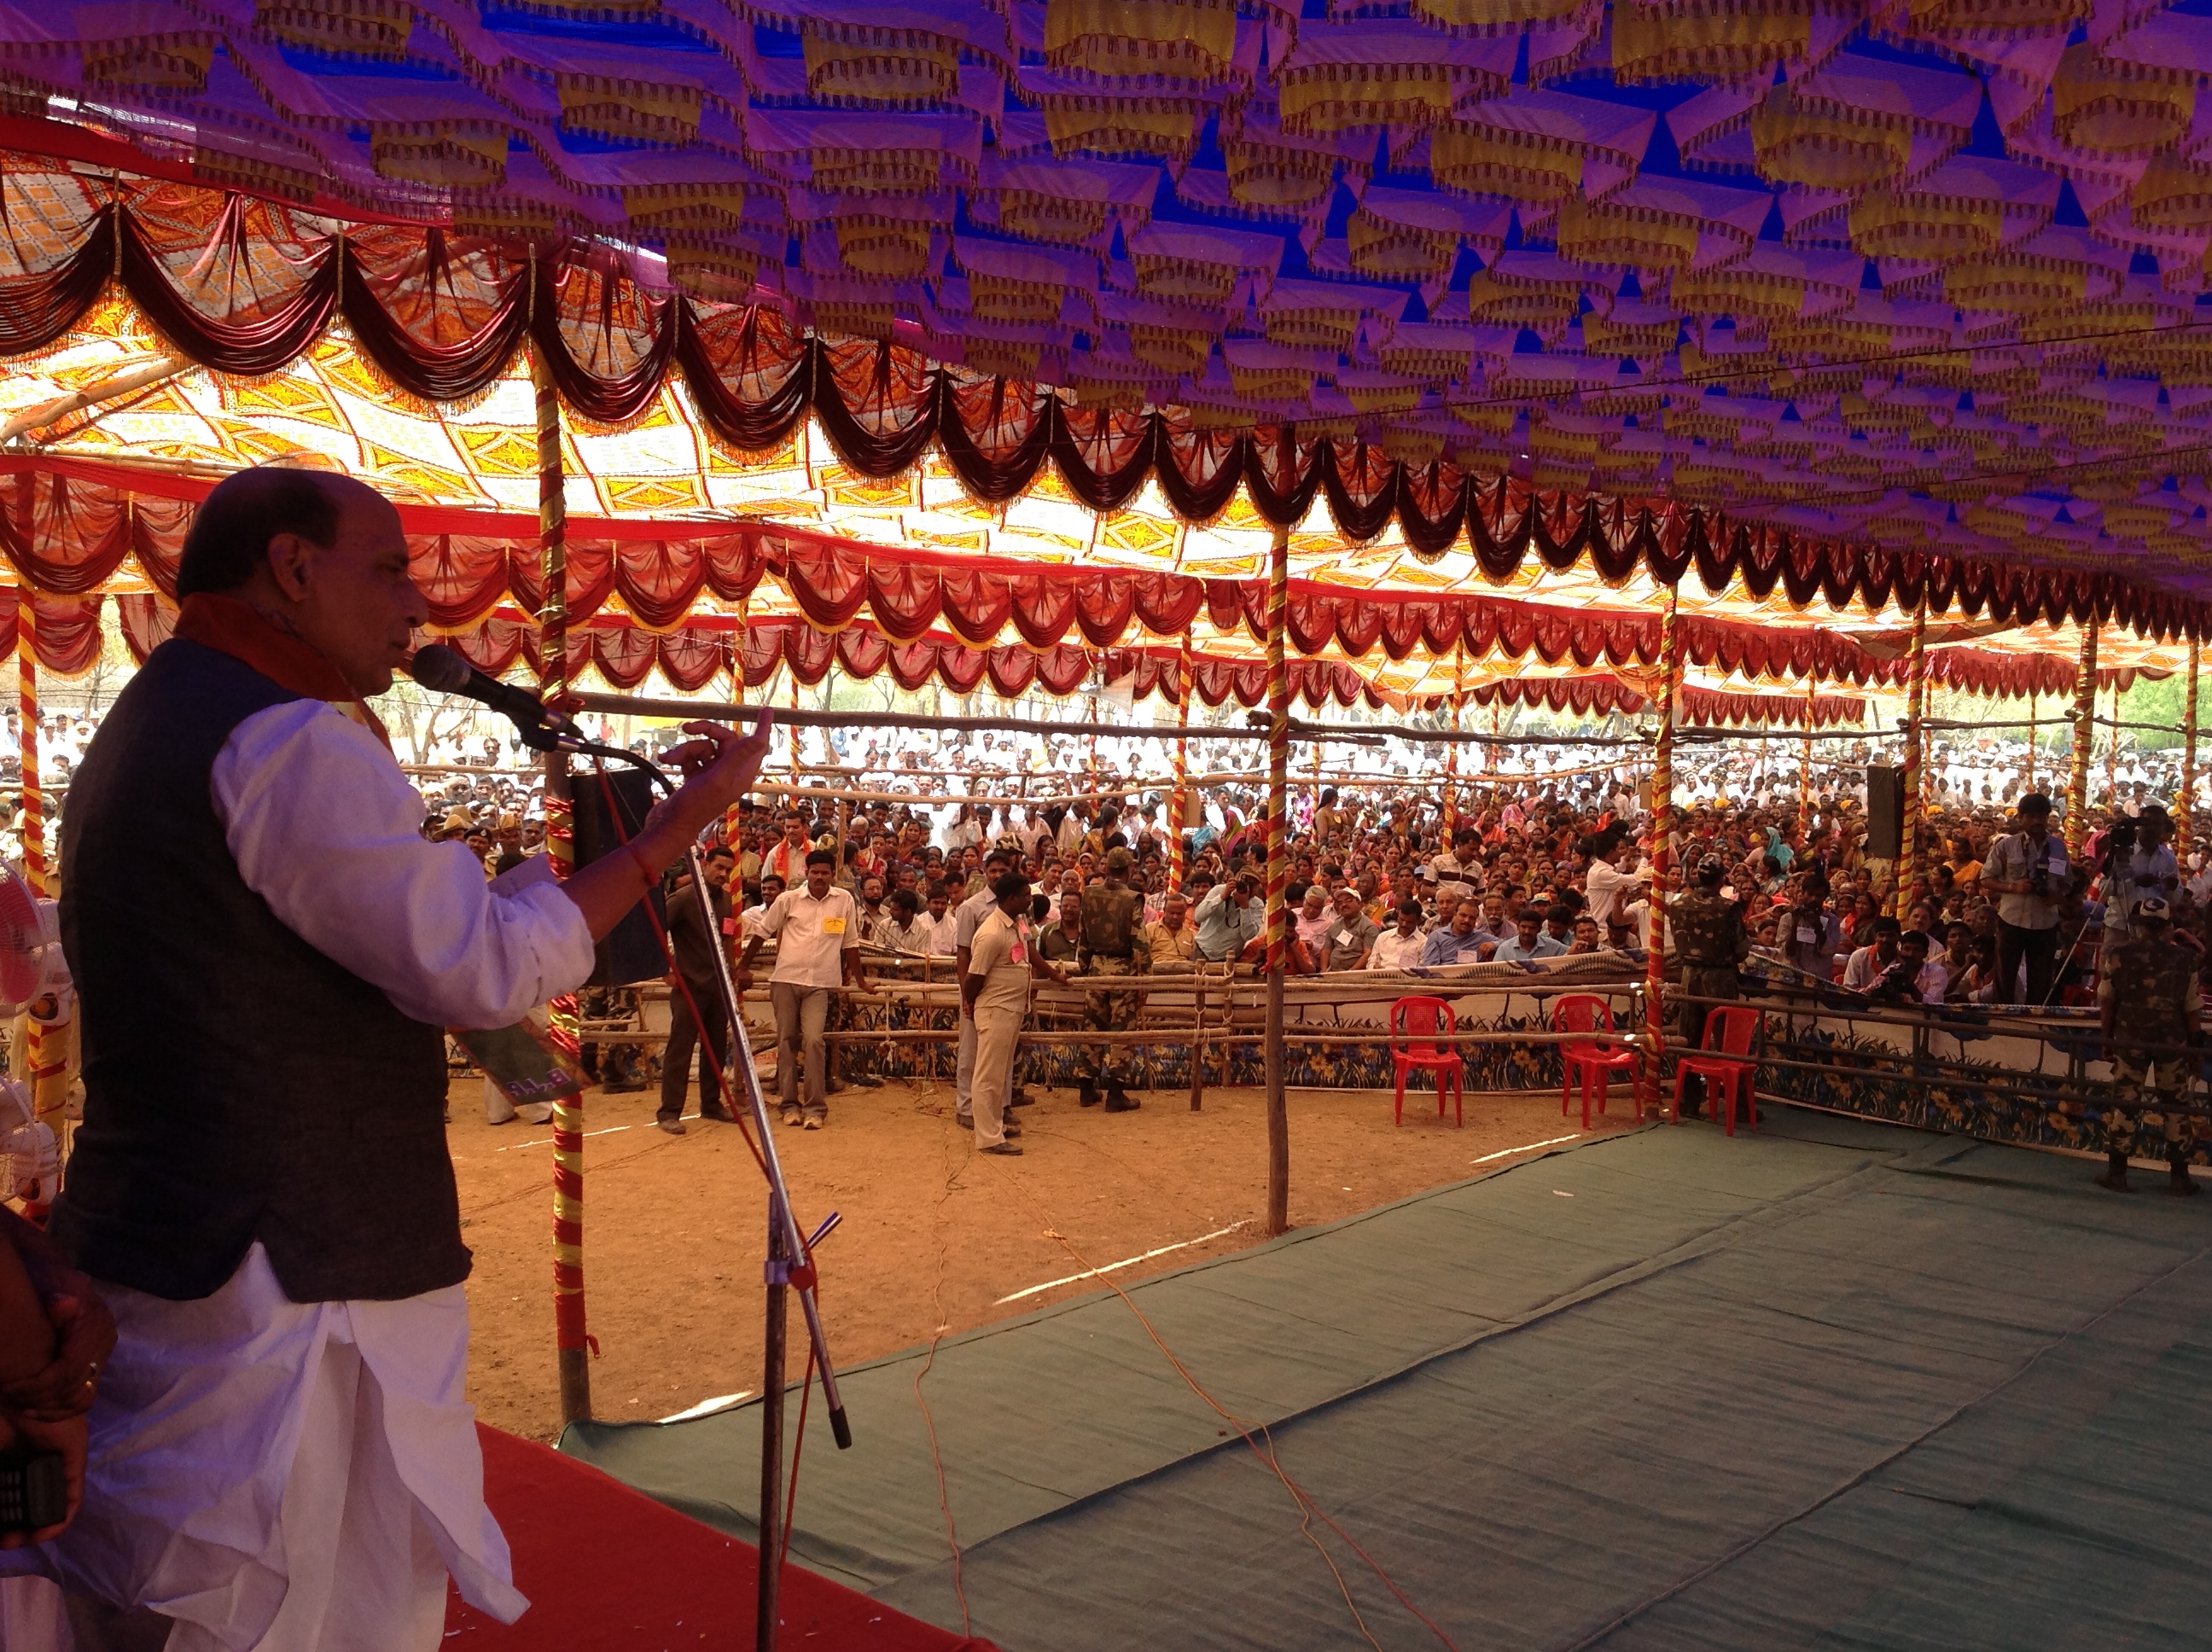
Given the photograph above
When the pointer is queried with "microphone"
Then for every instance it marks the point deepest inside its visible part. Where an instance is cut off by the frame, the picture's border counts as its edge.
(447, 671)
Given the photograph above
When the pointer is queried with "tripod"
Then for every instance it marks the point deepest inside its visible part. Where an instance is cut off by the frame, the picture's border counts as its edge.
(790, 1264)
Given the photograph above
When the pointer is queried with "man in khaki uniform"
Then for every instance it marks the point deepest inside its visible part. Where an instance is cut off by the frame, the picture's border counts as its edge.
(994, 993)
(2151, 1005)
(1113, 944)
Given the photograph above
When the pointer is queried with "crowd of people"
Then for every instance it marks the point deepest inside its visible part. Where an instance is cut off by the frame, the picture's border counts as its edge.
(1516, 853)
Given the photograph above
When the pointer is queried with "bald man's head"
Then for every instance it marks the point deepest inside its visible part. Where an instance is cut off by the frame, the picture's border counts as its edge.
(230, 533)
(323, 556)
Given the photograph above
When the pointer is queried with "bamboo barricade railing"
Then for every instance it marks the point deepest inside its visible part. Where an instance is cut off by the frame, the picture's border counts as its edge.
(1918, 1066)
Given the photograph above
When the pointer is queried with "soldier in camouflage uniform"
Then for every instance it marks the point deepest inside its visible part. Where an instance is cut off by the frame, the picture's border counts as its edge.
(1709, 940)
(1113, 943)
(2149, 997)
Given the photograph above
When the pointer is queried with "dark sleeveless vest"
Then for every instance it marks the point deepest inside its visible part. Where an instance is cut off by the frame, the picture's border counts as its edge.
(238, 1083)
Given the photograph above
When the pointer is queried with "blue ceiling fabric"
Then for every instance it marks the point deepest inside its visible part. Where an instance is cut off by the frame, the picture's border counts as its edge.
(1847, 297)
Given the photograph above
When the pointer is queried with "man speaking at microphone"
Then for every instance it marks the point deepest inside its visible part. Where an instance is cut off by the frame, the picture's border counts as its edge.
(265, 951)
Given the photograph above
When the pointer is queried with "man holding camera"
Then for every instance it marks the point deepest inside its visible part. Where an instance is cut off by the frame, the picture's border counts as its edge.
(2027, 871)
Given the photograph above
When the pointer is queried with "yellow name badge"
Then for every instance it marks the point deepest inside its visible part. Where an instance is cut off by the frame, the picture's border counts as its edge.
(833, 926)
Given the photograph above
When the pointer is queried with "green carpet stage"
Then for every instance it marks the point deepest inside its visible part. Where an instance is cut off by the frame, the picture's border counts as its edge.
(1837, 1384)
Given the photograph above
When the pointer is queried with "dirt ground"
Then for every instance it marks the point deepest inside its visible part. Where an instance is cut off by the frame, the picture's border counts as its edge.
(934, 1235)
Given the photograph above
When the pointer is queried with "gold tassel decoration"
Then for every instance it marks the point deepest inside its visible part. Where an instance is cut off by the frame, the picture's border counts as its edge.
(2111, 107)
(1141, 40)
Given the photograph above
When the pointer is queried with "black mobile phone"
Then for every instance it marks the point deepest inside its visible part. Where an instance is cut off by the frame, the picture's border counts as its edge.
(34, 1491)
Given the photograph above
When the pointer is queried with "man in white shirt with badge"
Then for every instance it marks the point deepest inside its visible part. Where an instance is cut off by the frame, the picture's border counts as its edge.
(965, 919)
(817, 930)
(995, 997)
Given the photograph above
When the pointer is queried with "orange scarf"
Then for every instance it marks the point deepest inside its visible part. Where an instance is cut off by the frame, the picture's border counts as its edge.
(238, 629)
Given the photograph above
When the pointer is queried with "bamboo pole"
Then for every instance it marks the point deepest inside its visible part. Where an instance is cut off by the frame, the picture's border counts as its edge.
(2033, 734)
(2085, 733)
(2185, 805)
(1198, 1043)
(1651, 1084)
(1277, 841)
(1912, 863)
(571, 1340)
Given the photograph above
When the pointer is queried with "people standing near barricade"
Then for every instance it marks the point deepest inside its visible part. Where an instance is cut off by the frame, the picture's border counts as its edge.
(696, 1020)
(995, 997)
(2027, 871)
(2138, 870)
(2151, 1007)
(958, 929)
(1811, 933)
(1113, 944)
(817, 930)
(1708, 943)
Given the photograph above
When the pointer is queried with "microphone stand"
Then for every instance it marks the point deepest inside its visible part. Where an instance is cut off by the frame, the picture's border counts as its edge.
(790, 1254)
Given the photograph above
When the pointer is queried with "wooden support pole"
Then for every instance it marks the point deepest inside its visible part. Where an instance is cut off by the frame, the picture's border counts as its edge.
(1198, 1043)
(2185, 805)
(571, 1341)
(2085, 734)
(1651, 1086)
(1911, 862)
(1278, 868)
(2033, 732)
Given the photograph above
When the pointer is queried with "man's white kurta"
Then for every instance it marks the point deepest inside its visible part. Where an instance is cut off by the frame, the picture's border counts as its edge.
(243, 1442)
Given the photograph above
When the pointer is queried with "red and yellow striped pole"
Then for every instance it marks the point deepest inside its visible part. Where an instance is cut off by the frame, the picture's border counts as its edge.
(1278, 867)
(1451, 751)
(1179, 801)
(2185, 805)
(737, 647)
(2085, 734)
(43, 1064)
(1911, 862)
(1805, 761)
(33, 817)
(2113, 755)
(1651, 1086)
(571, 1343)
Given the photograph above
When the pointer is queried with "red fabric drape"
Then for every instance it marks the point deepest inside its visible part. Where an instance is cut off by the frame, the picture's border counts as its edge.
(244, 286)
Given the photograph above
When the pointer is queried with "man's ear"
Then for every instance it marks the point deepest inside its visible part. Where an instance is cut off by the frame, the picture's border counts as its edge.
(289, 559)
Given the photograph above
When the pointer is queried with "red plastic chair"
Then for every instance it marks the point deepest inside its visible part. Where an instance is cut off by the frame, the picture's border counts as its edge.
(1414, 1022)
(1725, 1064)
(1593, 1056)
